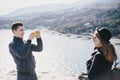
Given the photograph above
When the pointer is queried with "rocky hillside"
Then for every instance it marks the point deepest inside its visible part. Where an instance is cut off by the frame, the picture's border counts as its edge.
(72, 20)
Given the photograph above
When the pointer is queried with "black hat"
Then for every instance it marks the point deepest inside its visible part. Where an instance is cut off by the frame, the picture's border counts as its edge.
(105, 34)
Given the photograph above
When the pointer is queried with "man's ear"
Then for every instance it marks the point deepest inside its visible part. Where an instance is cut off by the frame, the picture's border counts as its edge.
(13, 31)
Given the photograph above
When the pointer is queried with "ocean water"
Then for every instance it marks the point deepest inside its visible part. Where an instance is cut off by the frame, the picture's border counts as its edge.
(61, 54)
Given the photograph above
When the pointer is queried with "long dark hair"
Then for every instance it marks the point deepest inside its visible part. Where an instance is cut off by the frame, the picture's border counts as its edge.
(108, 50)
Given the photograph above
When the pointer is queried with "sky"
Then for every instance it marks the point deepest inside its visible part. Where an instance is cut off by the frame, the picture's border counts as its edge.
(7, 6)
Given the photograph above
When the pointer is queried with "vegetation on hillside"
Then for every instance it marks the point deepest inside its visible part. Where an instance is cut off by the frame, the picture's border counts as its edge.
(72, 21)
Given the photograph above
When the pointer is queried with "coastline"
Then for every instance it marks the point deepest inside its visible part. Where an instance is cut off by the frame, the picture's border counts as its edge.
(115, 41)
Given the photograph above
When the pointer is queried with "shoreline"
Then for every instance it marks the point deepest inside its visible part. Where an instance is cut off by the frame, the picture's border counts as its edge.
(115, 41)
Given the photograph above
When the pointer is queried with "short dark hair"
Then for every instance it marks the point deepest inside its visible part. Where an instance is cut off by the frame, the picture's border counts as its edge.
(16, 25)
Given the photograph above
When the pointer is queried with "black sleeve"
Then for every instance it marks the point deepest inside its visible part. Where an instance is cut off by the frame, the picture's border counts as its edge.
(38, 47)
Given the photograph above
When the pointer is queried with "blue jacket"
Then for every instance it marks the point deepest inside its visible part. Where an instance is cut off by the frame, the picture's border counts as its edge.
(98, 67)
(22, 53)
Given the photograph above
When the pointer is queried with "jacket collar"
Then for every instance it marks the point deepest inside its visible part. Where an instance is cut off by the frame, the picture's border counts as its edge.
(97, 49)
(18, 40)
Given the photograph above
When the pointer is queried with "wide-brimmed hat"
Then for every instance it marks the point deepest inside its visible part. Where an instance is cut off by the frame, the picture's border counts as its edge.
(105, 34)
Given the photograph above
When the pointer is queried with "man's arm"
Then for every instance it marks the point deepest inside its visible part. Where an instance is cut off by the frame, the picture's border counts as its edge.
(20, 51)
(38, 47)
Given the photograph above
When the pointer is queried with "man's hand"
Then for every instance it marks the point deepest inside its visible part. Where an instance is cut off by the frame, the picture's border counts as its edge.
(37, 34)
(31, 37)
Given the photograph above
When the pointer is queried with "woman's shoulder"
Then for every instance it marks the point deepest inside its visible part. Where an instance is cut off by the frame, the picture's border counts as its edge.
(97, 52)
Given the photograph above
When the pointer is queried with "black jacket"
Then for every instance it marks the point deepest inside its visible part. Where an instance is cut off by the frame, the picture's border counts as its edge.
(98, 67)
(22, 53)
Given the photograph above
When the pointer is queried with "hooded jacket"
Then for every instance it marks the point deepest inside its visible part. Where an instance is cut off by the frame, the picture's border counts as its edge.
(98, 67)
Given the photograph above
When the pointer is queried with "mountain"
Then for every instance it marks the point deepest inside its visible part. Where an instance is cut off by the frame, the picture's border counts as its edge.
(74, 19)
(38, 9)
(58, 7)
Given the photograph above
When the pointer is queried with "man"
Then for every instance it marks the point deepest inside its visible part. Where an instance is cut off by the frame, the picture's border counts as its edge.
(22, 52)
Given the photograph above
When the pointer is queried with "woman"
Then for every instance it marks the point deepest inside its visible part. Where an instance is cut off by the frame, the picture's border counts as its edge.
(101, 61)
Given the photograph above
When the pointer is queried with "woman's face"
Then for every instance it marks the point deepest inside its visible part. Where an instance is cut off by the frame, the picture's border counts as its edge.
(96, 40)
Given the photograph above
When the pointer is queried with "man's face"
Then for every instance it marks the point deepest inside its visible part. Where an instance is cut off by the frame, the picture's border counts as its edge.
(19, 32)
